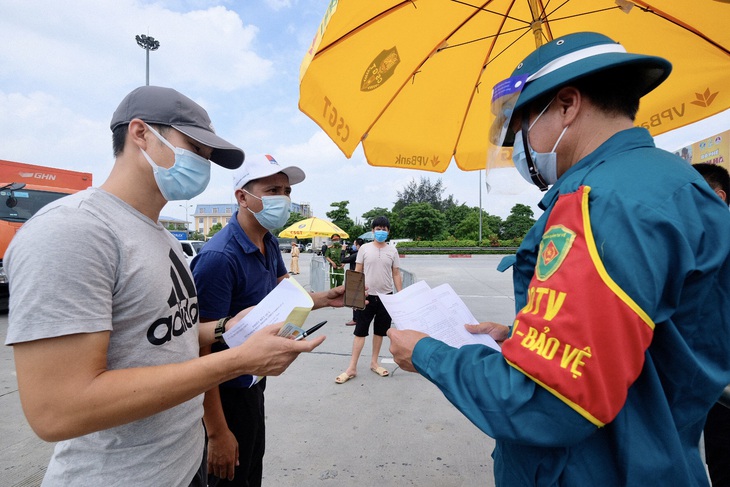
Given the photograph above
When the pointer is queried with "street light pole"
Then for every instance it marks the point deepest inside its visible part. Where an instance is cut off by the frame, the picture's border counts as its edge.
(480, 208)
(147, 43)
(187, 223)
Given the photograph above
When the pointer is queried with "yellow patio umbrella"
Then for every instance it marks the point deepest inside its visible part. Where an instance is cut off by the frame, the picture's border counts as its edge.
(312, 227)
(412, 79)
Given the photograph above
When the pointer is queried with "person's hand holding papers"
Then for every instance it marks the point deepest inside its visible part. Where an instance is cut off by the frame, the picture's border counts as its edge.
(499, 332)
(439, 313)
(402, 343)
(288, 302)
(265, 353)
(419, 311)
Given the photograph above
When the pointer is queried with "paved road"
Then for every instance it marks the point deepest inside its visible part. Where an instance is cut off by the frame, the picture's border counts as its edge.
(394, 431)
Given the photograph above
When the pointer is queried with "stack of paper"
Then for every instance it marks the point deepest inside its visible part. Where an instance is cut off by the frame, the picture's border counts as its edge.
(438, 312)
(288, 302)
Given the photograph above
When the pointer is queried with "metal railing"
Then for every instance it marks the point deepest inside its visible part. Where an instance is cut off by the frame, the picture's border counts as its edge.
(319, 279)
(319, 275)
(464, 250)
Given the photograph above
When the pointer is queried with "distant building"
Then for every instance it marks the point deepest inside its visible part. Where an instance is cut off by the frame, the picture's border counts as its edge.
(206, 216)
(173, 223)
(304, 209)
(176, 227)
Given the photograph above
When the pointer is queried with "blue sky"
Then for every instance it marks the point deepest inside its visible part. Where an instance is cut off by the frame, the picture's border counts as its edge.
(67, 65)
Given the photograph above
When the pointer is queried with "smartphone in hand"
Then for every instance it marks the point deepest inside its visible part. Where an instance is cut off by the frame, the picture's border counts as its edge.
(354, 289)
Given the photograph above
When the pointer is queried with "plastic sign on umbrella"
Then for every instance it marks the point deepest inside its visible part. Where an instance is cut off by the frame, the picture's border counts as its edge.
(312, 227)
(412, 80)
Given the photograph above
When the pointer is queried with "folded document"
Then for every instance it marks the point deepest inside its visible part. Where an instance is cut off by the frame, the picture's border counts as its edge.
(288, 302)
(438, 312)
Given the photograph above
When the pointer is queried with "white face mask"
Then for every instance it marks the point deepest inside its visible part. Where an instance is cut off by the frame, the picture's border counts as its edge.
(275, 212)
(186, 179)
(545, 163)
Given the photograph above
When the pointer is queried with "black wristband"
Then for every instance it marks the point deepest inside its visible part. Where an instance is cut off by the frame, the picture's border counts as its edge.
(220, 328)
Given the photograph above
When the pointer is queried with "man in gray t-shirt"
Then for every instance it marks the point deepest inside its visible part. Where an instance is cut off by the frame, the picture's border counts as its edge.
(104, 313)
(379, 262)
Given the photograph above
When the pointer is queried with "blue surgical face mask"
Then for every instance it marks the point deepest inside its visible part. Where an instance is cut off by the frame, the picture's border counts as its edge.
(546, 163)
(186, 179)
(275, 212)
(380, 235)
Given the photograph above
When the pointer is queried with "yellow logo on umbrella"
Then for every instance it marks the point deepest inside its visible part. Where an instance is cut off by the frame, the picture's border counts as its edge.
(380, 69)
(704, 99)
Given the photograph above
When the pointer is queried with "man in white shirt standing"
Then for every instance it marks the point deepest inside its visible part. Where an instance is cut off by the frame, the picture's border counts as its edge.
(379, 262)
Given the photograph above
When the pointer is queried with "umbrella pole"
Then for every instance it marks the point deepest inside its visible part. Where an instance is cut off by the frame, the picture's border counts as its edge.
(536, 25)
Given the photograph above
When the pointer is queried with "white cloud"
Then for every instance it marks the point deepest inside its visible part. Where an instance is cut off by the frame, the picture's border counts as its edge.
(40, 129)
(278, 4)
(91, 45)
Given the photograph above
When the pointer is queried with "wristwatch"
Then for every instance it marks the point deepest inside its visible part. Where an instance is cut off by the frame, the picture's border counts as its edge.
(220, 329)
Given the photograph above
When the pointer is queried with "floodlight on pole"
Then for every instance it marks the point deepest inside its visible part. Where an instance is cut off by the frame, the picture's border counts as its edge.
(186, 206)
(147, 43)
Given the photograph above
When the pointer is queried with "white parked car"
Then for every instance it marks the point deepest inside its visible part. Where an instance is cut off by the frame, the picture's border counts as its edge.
(191, 248)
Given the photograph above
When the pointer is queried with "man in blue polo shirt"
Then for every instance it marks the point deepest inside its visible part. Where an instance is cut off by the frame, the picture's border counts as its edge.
(236, 269)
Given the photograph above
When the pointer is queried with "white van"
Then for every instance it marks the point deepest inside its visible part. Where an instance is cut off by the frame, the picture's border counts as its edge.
(191, 248)
(394, 242)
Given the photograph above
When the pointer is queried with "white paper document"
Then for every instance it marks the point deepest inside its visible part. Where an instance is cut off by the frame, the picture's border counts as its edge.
(438, 312)
(288, 302)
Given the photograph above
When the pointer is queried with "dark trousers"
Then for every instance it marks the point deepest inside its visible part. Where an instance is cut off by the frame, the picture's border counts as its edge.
(201, 476)
(717, 445)
(244, 411)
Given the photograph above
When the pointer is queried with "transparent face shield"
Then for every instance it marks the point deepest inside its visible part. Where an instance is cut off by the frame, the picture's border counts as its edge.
(501, 174)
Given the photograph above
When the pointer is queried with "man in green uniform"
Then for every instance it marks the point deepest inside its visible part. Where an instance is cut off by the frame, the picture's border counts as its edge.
(334, 257)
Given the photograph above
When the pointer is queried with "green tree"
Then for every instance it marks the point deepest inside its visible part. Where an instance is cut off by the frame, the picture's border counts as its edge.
(467, 228)
(424, 191)
(340, 216)
(196, 236)
(491, 225)
(462, 222)
(371, 215)
(449, 202)
(214, 229)
(455, 216)
(518, 222)
(357, 230)
(421, 221)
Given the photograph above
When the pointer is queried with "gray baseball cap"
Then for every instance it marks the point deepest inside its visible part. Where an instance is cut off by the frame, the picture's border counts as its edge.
(165, 106)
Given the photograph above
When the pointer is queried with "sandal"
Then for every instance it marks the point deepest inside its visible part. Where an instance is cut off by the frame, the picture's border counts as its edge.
(343, 377)
(381, 371)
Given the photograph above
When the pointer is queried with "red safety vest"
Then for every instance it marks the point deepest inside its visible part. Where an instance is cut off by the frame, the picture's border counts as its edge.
(580, 335)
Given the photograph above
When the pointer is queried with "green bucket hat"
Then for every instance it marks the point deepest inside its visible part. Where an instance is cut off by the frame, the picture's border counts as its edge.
(574, 56)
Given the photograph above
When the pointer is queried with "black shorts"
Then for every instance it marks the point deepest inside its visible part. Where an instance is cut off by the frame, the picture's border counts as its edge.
(374, 309)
